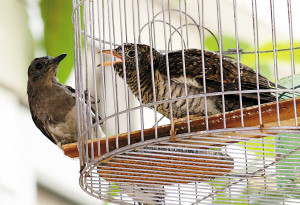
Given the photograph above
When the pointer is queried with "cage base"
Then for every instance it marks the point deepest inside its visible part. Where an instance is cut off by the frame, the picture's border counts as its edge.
(216, 125)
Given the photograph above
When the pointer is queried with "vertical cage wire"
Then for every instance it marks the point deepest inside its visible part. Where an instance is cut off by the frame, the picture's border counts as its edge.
(132, 153)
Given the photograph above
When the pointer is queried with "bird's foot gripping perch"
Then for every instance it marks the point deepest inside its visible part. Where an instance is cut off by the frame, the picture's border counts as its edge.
(86, 94)
(172, 133)
(173, 129)
(178, 122)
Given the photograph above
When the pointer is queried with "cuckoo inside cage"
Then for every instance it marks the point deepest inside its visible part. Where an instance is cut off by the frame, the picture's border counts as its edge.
(198, 101)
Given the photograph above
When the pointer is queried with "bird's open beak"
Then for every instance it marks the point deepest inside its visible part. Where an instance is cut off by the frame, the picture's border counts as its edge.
(115, 54)
(59, 58)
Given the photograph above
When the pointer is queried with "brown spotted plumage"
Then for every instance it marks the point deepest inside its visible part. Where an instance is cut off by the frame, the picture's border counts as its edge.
(194, 79)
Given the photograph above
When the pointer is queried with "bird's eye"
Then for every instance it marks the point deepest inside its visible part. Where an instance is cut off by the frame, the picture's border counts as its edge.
(38, 66)
(131, 54)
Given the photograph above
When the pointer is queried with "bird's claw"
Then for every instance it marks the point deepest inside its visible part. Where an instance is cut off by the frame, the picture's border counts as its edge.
(173, 130)
(92, 101)
(261, 127)
(172, 135)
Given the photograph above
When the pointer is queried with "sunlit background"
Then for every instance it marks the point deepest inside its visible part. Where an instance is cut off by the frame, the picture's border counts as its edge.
(33, 170)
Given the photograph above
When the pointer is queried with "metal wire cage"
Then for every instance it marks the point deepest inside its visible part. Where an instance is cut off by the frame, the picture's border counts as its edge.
(249, 155)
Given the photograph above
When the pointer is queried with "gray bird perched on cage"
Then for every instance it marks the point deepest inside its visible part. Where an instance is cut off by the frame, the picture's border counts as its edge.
(52, 104)
(194, 79)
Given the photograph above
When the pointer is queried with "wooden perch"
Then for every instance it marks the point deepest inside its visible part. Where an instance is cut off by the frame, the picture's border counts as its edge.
(233, 120)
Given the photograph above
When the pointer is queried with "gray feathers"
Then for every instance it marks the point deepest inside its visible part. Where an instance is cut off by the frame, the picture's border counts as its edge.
(52, 105)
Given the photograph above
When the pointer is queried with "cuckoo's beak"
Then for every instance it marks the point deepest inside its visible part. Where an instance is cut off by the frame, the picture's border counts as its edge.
(115, 54)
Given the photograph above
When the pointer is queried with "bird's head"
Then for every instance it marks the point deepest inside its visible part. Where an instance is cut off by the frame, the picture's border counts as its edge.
(141, 53)
(44, 69)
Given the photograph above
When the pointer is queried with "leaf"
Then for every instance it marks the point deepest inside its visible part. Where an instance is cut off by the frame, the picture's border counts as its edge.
(287, 81)
(114, 190)
(287, 169)
(228, 43)
(58, 33)
(282, 55)
(261, 148)
(266, 60)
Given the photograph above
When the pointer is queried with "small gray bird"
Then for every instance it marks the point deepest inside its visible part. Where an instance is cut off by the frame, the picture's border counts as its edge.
(53, 108)
(52, 104)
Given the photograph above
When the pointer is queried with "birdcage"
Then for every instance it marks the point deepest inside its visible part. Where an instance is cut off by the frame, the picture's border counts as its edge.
(148, 149)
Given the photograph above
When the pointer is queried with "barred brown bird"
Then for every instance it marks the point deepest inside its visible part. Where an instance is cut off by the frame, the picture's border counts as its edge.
(194, 79)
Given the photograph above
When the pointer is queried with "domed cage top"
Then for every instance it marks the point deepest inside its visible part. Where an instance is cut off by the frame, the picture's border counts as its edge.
(187, 102)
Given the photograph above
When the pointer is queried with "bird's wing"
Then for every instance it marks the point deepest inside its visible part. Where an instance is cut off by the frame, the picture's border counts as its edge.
(194, 73)
(42, 127)
(85, 94)
(264, 83)
(86, 98)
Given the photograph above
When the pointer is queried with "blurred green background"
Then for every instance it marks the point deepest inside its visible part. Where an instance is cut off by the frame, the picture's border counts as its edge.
(58, 33)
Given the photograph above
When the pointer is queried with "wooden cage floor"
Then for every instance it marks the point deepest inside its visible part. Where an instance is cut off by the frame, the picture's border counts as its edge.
(233, 120)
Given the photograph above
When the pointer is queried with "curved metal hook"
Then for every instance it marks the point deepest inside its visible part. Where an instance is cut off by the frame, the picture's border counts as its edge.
(160, 21)
(175, 29)
(198, 27)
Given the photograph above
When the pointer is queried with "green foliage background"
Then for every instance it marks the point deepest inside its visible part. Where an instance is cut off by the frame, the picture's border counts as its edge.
(58, 33)
(266, 62)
